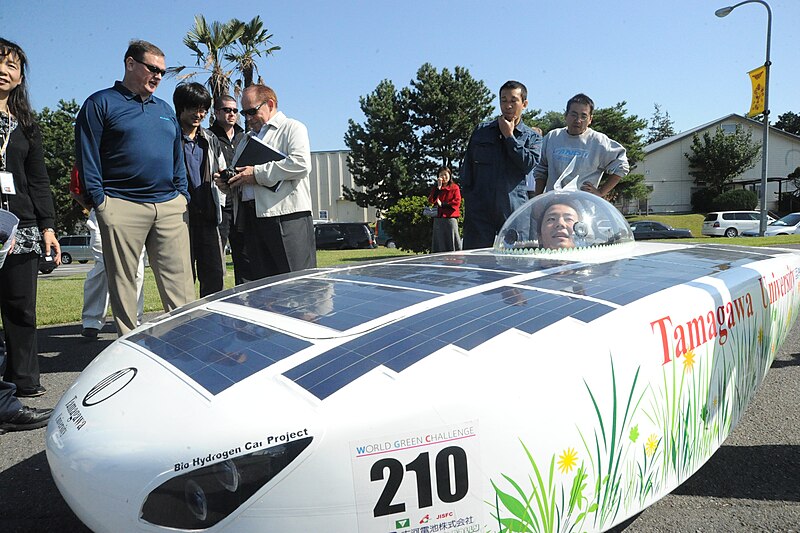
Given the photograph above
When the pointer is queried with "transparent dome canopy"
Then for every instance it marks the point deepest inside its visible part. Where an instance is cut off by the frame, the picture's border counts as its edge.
(562, 221)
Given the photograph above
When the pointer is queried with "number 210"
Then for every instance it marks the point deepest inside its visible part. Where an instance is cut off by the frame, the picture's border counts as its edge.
(448, 490)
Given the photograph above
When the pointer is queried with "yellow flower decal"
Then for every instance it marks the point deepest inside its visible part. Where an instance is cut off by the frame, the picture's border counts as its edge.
(688, 361)
(715, 401)
(567, 460)
(760, 335)
(651, 445)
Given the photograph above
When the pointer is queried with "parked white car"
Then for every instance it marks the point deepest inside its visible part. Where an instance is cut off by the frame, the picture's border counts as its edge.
(732, 223)
(788, 225)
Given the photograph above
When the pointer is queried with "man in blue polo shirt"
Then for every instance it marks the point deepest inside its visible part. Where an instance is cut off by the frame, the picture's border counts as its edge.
(130, 158)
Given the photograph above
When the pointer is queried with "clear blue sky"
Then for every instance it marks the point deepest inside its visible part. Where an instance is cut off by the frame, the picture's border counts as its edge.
(675, 53)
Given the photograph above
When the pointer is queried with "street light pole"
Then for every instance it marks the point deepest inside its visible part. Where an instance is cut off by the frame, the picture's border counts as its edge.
(723, 12)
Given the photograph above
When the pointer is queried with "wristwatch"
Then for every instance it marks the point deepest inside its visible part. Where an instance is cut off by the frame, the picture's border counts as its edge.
(48, 230)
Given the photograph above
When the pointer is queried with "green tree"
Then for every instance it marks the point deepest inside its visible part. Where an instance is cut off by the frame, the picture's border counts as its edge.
(252, 43)
(717, 159)
(224, 48)
(661, 126)
(444, 109)
(58, 144)
(625, 129)
(209, 43)
(409, 228)
(549, 121)
(789, 122)
(384, 153)
(631, 187)
(409, 132)
(735, 200)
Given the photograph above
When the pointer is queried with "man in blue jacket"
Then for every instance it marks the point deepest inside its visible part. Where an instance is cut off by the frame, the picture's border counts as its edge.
(498, 168)
(130, 158)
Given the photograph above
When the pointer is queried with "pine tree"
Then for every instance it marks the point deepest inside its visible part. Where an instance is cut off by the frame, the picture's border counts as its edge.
(661, 126)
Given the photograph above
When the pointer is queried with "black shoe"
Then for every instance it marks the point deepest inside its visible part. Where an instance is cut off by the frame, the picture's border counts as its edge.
(90, 333)
(30, 392)
(26, 418)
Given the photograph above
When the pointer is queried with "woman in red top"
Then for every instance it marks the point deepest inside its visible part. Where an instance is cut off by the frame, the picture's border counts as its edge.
(446, 195)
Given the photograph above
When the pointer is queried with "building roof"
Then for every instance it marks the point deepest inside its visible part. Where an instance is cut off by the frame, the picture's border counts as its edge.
(669, 140)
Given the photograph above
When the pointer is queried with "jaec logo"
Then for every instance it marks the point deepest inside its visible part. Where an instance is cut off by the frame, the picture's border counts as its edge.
(402, 523)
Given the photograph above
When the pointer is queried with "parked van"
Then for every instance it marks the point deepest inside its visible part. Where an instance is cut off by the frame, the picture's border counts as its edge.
(75, 248)
(343, 235)
(732, 223)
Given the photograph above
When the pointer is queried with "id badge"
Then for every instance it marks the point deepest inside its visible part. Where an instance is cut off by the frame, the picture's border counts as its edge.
(7, 183)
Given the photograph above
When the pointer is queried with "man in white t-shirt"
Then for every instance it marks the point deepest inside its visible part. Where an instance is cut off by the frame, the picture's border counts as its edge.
(595, 154)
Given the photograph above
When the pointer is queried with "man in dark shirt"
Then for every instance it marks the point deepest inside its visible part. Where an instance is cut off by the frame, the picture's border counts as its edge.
(130, 158)
(229, 133)
(203, 157)
(500, 158)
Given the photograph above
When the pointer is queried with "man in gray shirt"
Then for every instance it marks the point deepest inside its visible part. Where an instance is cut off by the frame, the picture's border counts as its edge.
(595, 154)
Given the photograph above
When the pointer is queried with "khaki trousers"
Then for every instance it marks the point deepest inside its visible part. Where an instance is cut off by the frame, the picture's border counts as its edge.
(163, 229)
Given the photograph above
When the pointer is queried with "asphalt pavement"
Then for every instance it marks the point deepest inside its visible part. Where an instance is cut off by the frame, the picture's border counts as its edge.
(752, 484)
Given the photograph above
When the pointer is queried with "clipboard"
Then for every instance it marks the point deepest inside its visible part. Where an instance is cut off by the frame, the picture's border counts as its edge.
(258, 152)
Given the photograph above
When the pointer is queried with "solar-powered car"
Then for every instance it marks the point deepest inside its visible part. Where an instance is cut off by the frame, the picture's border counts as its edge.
(563, 380)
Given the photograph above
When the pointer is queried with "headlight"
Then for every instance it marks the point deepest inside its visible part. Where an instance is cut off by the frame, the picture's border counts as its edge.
(201, 498)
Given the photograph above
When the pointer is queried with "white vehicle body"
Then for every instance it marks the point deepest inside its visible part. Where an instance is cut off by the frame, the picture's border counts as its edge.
(732, 223)
(460, 392)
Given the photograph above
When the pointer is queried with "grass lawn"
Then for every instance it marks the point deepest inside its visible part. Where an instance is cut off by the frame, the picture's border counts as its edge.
(60, 300)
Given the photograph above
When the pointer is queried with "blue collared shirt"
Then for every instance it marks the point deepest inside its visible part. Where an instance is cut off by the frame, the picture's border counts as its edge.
(193, 154)
(130, 148)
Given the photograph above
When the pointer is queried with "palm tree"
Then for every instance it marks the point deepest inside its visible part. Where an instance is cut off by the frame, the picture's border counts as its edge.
(251, 44)
(209, 43)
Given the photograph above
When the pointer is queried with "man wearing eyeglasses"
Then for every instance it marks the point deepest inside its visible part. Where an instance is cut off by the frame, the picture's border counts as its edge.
(230, 133)
(597, 157)
(274, 199)
(130, 159)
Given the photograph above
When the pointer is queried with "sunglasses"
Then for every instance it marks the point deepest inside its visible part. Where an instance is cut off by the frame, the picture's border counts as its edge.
(253, 110)
(228, 110)
(152, 68)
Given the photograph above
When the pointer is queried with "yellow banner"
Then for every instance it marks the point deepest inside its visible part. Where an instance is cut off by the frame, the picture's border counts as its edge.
(758, 79)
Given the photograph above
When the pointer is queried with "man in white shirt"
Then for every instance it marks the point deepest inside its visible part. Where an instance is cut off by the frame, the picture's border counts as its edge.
(595, 154)
(276, 219)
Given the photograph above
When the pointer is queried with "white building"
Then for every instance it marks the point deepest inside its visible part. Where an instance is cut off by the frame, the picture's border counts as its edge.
(666, 168)
(329, 174)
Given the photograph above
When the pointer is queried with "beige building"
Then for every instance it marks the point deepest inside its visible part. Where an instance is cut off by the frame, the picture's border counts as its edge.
(666, 168)
(329, 174)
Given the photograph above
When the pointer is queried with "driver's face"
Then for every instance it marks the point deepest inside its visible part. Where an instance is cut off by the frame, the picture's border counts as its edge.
(557, 223)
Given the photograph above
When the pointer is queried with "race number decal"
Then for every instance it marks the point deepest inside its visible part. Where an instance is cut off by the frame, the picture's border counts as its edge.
(419, 482)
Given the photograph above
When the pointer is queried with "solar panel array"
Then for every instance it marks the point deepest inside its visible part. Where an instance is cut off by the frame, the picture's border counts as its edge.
(217, 351)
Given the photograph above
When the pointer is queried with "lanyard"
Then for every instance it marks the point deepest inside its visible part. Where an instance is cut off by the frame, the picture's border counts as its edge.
(5, 141)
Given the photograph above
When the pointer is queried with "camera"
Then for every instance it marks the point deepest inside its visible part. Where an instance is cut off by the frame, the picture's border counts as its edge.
(227, 174)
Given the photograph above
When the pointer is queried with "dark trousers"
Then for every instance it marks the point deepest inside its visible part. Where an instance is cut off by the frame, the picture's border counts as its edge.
(208, 262)
(9, 405)
(241, 263)
(277, 245)
(18, 282)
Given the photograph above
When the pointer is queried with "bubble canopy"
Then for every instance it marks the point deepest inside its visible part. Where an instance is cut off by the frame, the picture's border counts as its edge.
(562, 221)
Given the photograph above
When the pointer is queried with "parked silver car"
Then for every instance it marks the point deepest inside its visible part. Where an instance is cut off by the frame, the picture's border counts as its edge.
(788, 225)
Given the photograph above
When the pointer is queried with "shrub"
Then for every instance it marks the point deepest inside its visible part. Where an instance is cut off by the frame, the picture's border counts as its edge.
(702, 200)
(735, 200)
(409, 228)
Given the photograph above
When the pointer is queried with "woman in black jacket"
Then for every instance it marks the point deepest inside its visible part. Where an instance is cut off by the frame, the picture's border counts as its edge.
(26, 193)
